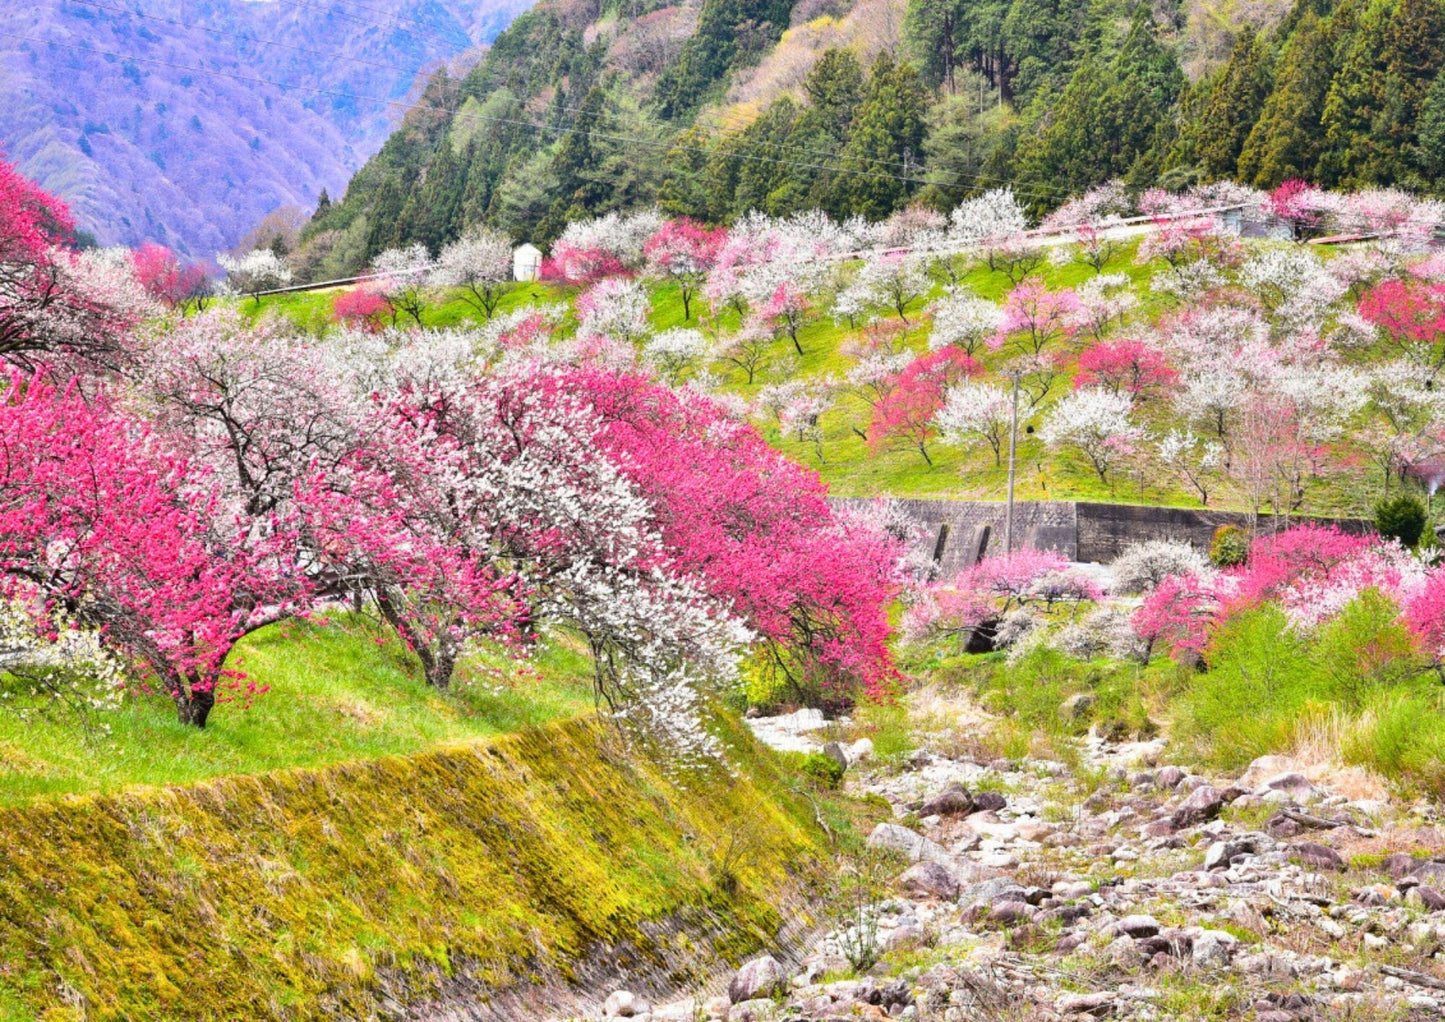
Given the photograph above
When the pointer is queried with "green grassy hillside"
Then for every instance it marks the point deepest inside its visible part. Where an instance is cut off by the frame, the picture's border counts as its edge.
(339, 690)
(846, 461)
(356, 889)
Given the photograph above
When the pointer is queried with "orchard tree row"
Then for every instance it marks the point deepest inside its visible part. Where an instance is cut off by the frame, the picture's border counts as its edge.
(170, 484)
(1184, 359)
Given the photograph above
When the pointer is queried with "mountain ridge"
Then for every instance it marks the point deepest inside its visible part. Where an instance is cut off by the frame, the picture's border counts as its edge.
(187, 121)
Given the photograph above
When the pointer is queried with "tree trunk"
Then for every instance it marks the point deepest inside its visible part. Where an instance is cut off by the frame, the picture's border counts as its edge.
(194, 707)
(437, 664)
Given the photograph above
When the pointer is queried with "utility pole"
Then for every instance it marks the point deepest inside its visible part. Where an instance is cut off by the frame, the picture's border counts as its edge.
(1013, 442)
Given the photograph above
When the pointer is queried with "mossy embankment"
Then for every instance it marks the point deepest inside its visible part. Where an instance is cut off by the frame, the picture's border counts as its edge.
(492, 875)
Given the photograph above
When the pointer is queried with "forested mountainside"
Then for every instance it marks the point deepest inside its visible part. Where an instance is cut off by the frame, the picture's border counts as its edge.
(156, 122)
(714, 107)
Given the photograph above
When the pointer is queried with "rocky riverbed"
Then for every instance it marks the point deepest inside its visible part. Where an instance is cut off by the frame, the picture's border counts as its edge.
(1120, 885)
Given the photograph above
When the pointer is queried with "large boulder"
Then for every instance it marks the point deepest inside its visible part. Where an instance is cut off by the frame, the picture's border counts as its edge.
(1200, 806)
(835, 752)
(928, 879)
(1212, 949)
(990, 892)
(1139, 926)
(1290, 782)
(1317, 856)
(952, 801)
(988, 802)
(894, 838)
(760, 978)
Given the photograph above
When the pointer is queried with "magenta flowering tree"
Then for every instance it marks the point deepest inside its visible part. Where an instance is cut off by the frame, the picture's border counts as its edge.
(684, 252)
(102, 524)
(48, 311)
(1126, 367)
(906, 413)
(168, 280)
(1425, 615)
(757, 532)
(360, 307)
(1411, 318)
(1178, 616)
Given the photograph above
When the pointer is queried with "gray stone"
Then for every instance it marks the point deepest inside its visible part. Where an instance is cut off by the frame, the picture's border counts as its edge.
(1400, 864)
(1427, 898)
(1291, 783)
(1202, 805)
(1213, 949)
(624, 1004)
(895, 838)
(762, 977)
(952, 801)
(988, 802)
(928, 879)
(759, 1010)
(1009, 913)
(1124, 953)
(1077, 707)
(986, 892)
(1282, 826)
(903, 937)
(1169, 777)
(1317, 856)
(1099, 1005)
(1427, 870)
(835, 752)
(1138, 927)
(1218, 854)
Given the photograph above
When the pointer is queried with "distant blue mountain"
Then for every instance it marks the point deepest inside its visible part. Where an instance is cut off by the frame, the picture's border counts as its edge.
(163, 128)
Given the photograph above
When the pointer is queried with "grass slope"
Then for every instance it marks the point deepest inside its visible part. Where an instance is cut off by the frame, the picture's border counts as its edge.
(338, 690)
(454, 876)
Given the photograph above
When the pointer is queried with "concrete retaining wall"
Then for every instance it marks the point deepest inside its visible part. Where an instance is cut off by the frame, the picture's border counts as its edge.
(957, 533)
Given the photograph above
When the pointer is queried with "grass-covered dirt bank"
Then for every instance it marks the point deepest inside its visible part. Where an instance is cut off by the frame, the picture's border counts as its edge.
(486, 874)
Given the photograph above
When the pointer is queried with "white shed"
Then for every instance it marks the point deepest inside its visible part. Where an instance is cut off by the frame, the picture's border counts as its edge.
(526, 262)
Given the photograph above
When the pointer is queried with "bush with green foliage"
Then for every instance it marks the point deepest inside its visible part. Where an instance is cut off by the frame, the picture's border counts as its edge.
(1402, 517)
(1229, 548)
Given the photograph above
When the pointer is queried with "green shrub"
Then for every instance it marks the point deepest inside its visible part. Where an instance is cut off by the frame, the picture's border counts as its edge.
(823, 769)
(1229, 547)
(1402, 517)
(1243, 706)
(887, 725)
(1365, 649)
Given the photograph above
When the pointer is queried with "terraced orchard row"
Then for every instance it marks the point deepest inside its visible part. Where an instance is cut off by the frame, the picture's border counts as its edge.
(1159, 356)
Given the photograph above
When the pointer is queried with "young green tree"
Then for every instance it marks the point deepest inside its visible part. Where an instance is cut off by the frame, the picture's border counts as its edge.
(888, 131)
(1285, 142)
(1235, 99)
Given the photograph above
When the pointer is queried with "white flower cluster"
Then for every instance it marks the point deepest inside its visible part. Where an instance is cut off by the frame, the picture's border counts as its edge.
(65, 675)
(624, 235)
